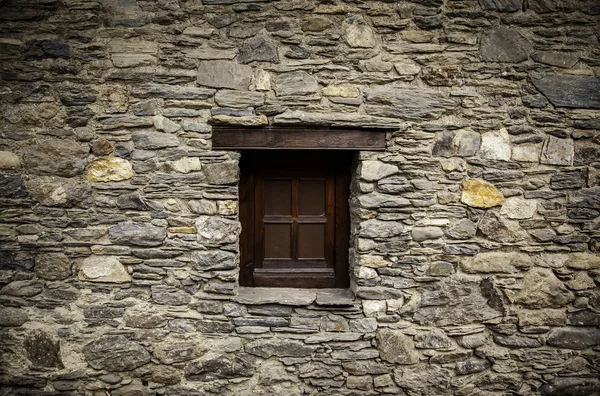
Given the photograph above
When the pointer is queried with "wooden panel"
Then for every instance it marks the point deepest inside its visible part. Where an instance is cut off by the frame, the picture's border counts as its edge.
(296, 139)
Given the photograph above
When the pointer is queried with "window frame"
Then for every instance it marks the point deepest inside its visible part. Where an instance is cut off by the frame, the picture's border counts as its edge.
(254, 163)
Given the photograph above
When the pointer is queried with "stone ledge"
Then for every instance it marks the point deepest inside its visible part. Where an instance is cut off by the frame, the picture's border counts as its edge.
(294, 297)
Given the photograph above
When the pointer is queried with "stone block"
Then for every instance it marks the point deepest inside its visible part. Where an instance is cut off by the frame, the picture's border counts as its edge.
(396, 347)
(295, 83)
(504, 45)
(540, 288)
(115, 353)
(137, 234)
(224, 74)
(570, 91)
(104, 269)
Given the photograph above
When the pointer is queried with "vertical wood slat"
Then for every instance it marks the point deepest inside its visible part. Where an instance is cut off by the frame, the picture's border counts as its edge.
(294, 236)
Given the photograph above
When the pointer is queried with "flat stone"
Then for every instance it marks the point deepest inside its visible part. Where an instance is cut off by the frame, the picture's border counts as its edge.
(164, 124)
(472, 366)
(9, 160)
(496, 262)
(463, 229)
(12, 317)
(380, 229)
(258, 49)
(396, 347)
(406, 103)
(394, 185)
(504, 45)
(224, 74)
(357, 33)
(480, 194)
(295, 83)
(375, 170)
(217, 230)
(239, 99)
(24, 288)
(570, 91)
(583, 261)
(185, 165)
(407, 68)
(353, 120)
(315, 23)
(248, 120)
(501, 5)
(424, 379)
(104, 269)
(43, 350)
(12, 186)
(265, 295)
(115, 353)
(341, 91)
(518, 208)
(378, 200)
(556, 58)
(574, 338)
(557, 151)
(540, 288)
(454, 301)
(169, 295)
(335, 297)
(56, 157)
(169, 353)
(570, 386)
(278, 347)
(495, 145)
(498, 229)
(547, 6)
(461, 143)
(542, 317)
(420, 234)
(144, 320)
(52, 266)
(164, 91)
(144, 140)
(213, 366)
(214, 260)
(137, 234)
(109, 169)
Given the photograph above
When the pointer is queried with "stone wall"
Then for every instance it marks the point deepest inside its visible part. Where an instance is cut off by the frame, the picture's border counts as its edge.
(475, 236)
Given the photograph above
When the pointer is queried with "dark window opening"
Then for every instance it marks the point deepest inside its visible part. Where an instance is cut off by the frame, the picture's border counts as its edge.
(295, 218)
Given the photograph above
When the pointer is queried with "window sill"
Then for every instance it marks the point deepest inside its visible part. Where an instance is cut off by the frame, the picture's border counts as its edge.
(295, 297)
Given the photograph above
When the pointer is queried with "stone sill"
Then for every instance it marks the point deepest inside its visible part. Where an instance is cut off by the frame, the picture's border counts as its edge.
(295, 297)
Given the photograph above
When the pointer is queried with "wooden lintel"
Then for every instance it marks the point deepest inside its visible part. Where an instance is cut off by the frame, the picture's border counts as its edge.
(228, 138)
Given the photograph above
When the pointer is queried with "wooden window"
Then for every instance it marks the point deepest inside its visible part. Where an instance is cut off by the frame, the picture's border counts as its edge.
(295, 218)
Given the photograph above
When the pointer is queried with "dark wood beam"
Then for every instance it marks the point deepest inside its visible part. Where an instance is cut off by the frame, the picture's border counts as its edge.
(230, 138)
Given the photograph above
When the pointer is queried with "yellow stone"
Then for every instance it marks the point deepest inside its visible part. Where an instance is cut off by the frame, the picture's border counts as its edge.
(109, 169)
(342, 91)
(480, 194)
(182, 230)
(9, 160)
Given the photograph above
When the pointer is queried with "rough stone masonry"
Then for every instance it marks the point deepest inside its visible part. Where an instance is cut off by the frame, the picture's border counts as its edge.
(475, 235)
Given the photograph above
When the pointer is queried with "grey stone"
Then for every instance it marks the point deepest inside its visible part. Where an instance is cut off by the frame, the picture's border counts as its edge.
(574, 338)
(131, 390)
(406, 103)
(43, 349)
(434, 339)
(115, 353)
(570, 386)
(540, 288)
(420, 234)
(380, 229)
(518, 208)
(297, 52)
(567, 180)
(570, 91)
(295, 83)
(224, 74)
(24, 288)
(52, 266)
(395, 347)
(547, 6)
(258, 49)
(455, 300)
(278, 347)
(169, 353)
(363, 354)
(212, 367)
(42, 49)
(375, 170)
(126, 13)
(353, 120)
(496, 262)
(226, 172)
(265, 295)
(12, 317)
(501, 5)
(214, 260)
(144, 140)
(424, 379)
(557, 151)
(357, 33)
(131, 201)
(378, 200)
(517, 342)
(472, 366)
(495, 145)
(495, 228)
(217, 230)
(585, 198)
(56, 157)
(460, 143)
(556, 58)
(104, 269)
(239, 99)
(137, 234)
(504, 45)
(144, 320)
(535, 101)
(394, 185)
(463, 229)
(12, 186)
(163, 91)
(169, 295)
